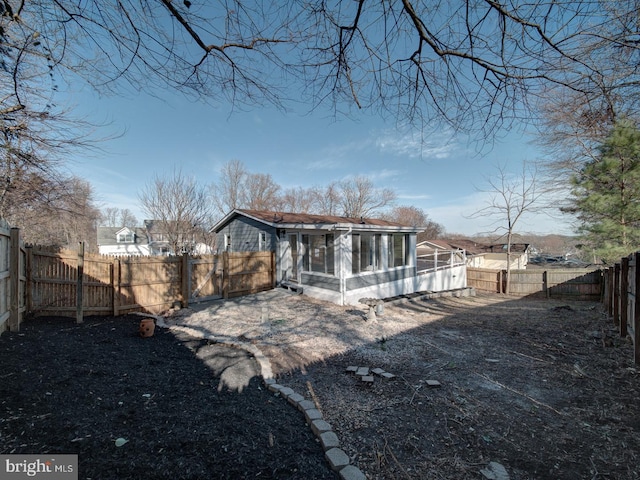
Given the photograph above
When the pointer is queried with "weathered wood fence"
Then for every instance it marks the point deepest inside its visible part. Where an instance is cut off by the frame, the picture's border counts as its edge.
(578, 284)
(621, 298)
(50, 281)
(12, 278)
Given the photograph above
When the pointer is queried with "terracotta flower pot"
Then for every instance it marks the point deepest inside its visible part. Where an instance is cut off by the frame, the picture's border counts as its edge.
(147, 327)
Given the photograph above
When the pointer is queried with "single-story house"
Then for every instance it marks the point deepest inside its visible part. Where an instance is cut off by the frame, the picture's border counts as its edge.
(479, 255)
(334, 258)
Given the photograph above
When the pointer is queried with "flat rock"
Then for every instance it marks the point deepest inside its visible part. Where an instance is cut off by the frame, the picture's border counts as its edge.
(362, 371)
(367, 378)
(433, 383)
(495, 471)
(387, 375)
(352, 369)
(377, 371)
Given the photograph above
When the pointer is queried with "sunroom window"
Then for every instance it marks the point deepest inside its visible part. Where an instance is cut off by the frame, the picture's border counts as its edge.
(318, 254)
(366, 252)
(398, 250)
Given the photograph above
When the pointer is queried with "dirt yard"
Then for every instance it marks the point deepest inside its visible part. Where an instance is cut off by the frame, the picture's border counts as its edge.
(542, 389)
(546, 389)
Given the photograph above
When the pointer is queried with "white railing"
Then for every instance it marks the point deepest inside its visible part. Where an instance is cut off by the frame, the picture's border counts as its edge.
(440, 260)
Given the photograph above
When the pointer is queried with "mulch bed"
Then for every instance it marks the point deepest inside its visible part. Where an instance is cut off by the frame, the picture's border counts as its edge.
(75, 389)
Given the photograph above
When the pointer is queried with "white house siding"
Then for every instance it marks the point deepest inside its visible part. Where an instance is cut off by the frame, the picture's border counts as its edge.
(124, 249)
(438, 281)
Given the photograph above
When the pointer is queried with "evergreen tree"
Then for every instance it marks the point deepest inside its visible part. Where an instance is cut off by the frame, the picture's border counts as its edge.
(606, 195)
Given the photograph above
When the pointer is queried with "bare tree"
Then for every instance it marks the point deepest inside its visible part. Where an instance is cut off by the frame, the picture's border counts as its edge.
(415, 217)
(109, 217)
(476, 65)
(63, 213)
(127, 218)
(179, 209)
(117, 217)
(407, 215)
(326, 200)
(298, 199)
(227, 191)
(510, 198)
(358, 197)
(260, 192)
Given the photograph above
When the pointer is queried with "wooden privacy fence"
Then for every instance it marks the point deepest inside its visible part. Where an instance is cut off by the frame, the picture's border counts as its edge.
(579, 284)
(50, 281)
(12, 278)
(621, 298)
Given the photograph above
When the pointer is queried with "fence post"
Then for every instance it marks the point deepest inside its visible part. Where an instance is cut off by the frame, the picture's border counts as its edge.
(636, 313)
(545, 283)
(185, 287)
(273, 269)
(14, 280)
(28, 284)
(225, 274)
(80, 284)
(616, 294)
(624, 296)
(610, 291)
(117, 279)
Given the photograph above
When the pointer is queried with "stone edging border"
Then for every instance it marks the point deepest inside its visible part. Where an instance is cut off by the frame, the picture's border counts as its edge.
(336, 457)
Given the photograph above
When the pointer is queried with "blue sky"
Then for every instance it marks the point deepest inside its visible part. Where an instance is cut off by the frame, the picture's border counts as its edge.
(441, 177)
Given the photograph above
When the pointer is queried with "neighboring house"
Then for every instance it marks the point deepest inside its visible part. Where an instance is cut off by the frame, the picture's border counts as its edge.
(334, 258)
(480, 255)
(119, 241)
(146, 240)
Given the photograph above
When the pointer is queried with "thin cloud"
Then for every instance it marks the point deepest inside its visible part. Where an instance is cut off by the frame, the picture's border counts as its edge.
(415, 146)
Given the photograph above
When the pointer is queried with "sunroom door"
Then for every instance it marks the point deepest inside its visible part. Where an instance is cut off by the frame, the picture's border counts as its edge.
(292, 271)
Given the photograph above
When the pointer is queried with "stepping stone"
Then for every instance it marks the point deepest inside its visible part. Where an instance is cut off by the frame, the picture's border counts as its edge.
(387, 375)
(352, 369)
(367, 378)
(433, 383)
(377, 371)
(362, 371)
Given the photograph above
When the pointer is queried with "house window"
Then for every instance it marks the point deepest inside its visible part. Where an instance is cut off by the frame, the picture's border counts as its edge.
(262, 241)
(125, 237)
(366, 252)
(318, 254)
(227, 242)
(398, 250)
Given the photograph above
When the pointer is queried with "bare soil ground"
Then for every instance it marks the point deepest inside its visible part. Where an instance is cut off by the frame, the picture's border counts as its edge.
(547, 389)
